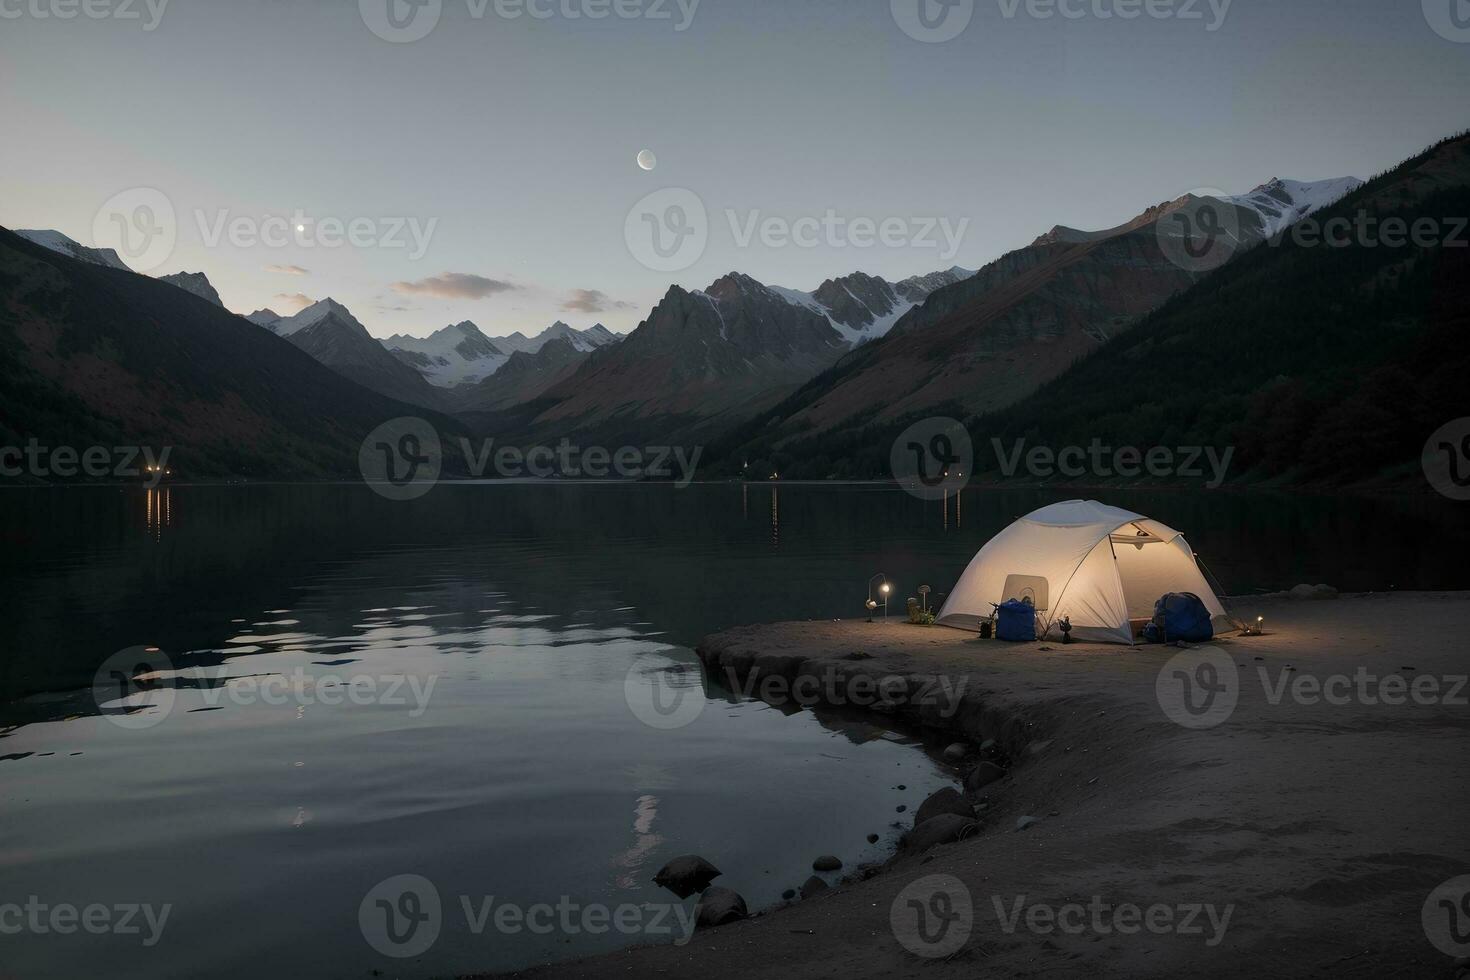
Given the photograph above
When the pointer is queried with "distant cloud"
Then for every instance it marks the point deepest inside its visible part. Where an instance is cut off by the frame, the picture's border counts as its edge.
(296, 301)
(593, 301)
(288, 270)
(455, 285)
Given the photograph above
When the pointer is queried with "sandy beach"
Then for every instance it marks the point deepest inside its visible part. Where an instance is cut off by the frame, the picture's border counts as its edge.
(1296, 832)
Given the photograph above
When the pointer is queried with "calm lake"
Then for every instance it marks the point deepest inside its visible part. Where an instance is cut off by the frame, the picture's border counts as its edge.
(458, 688)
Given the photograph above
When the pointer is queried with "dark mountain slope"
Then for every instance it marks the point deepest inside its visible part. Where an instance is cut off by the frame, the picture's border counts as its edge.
(97, 356)
(1317, 363)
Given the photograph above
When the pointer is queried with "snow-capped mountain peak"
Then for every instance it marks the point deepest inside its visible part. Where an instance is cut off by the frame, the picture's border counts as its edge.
(581, 340)
(263, 317)
(452, 355)
(57, 242)
(312, 315)
(1282, 203)
(861, 307)
(600, 335)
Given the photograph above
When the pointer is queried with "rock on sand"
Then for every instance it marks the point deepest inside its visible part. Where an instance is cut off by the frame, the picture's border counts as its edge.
(946, 800)
(686, 875)
(718, 906)
(942, 829)
(983, 775)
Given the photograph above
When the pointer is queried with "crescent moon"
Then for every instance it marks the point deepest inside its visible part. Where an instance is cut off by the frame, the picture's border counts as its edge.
(646, 159)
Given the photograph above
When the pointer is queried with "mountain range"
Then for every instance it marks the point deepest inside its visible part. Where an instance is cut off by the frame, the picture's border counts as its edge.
(706, 360)
(816, 381)
(461, 354)
(91, 354)
(983, 342)
(1320, 364)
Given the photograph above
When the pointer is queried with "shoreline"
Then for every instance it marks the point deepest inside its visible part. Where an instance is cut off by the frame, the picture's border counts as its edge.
(1416, 489)
(1311, 830)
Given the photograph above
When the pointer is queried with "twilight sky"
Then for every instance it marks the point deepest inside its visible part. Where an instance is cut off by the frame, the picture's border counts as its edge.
(510, 143)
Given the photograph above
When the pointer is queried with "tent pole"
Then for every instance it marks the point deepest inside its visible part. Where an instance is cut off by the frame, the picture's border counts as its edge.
(1126, 619)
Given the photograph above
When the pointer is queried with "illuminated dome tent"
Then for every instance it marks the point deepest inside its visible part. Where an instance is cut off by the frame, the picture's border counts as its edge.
(1098, 566)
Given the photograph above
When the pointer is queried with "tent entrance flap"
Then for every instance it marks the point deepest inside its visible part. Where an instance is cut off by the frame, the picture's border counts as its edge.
(1033, 587)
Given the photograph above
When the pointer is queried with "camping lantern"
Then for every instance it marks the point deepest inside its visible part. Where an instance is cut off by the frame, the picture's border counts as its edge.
(884, 589)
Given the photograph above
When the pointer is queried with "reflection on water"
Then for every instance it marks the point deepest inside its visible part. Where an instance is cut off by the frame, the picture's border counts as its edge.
(158, 510)
(775, 517)
(959, 498)
(630, 863)
(358, 688)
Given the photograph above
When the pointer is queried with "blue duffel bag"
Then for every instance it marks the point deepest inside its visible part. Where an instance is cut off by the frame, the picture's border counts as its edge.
(1015, 621)
(1180, 616)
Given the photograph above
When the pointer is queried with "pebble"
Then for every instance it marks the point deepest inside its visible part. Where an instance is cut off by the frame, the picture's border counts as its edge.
(1025, 822)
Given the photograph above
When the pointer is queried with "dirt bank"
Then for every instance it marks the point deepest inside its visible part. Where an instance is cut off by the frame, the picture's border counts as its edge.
(1298, 833)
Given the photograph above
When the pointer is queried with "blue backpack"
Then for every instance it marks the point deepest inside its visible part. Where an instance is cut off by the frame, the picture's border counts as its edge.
(1180, 616)
(1015, 621)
